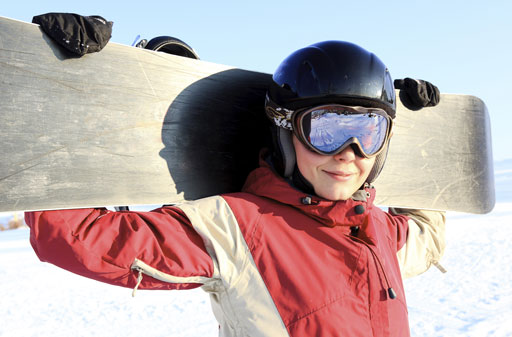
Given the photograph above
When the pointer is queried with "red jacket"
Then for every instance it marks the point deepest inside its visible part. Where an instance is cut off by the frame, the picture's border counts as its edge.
(275, 262)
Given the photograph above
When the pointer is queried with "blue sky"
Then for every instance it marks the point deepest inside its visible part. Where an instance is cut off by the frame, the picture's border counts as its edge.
(461, 46)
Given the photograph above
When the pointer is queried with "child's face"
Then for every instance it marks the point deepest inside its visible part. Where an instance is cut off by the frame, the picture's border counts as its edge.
(333, 177)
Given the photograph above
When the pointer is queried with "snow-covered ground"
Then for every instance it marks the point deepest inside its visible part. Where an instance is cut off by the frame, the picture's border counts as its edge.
(473, 299)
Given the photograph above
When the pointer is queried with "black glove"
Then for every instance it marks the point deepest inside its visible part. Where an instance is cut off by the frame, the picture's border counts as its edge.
(417, 94)
(76, 33)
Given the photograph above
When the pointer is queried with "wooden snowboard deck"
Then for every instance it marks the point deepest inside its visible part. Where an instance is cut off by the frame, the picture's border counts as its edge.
(127, 126)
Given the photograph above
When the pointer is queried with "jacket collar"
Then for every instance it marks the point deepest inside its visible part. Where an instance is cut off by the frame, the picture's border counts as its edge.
(265, 182)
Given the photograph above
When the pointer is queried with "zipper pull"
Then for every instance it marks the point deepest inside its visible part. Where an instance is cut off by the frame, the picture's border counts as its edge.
(139, 280)
(438, 265)
(391, 293)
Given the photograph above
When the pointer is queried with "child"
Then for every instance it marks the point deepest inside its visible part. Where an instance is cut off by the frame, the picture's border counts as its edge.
(302, 250)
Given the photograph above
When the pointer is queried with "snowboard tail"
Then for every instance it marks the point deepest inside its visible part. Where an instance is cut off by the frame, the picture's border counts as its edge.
(128, 126)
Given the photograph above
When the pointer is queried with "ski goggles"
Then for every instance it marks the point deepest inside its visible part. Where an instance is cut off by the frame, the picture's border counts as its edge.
(329, 129)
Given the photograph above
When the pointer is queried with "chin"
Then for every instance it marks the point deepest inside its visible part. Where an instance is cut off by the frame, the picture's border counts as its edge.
(335, 195)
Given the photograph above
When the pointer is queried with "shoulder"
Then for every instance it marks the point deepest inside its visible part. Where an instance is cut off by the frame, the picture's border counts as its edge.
(227, 209)
(229, 215)
(394, 225)
(393, 220)
(248, 201)
(210, 206)
(226, 236)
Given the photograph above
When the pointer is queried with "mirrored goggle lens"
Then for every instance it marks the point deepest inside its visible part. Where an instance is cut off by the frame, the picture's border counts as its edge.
(329, 129)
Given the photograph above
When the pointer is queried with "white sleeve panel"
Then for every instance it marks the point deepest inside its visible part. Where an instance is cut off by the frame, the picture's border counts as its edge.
(240, 300)
(425, 241)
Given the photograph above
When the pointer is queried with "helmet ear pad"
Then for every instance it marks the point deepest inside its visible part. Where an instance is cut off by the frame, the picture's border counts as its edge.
(380, 159)
(284, 151)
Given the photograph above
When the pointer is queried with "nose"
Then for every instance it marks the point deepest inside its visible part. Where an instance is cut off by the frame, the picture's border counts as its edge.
(347, 155)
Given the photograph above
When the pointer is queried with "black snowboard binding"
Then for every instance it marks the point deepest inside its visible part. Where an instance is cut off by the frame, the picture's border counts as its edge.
(169, 45)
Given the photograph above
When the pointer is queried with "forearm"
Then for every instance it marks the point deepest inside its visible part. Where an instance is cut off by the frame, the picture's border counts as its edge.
(425, 241)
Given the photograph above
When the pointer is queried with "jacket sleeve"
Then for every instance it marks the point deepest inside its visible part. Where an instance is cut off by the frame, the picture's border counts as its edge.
(425, 241)
(115, 247)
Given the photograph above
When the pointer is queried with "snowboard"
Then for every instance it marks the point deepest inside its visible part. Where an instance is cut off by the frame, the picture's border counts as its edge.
(128, 126)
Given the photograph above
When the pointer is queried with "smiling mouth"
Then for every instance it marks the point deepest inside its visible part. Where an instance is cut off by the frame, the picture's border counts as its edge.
(340, 176)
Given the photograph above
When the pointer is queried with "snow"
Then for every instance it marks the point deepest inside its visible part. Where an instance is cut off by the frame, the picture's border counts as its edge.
(39, 299)
(474, 298)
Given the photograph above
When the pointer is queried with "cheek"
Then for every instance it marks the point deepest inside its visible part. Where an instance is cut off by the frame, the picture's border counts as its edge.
(307, 161)
(304, 162)
(366, 165)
